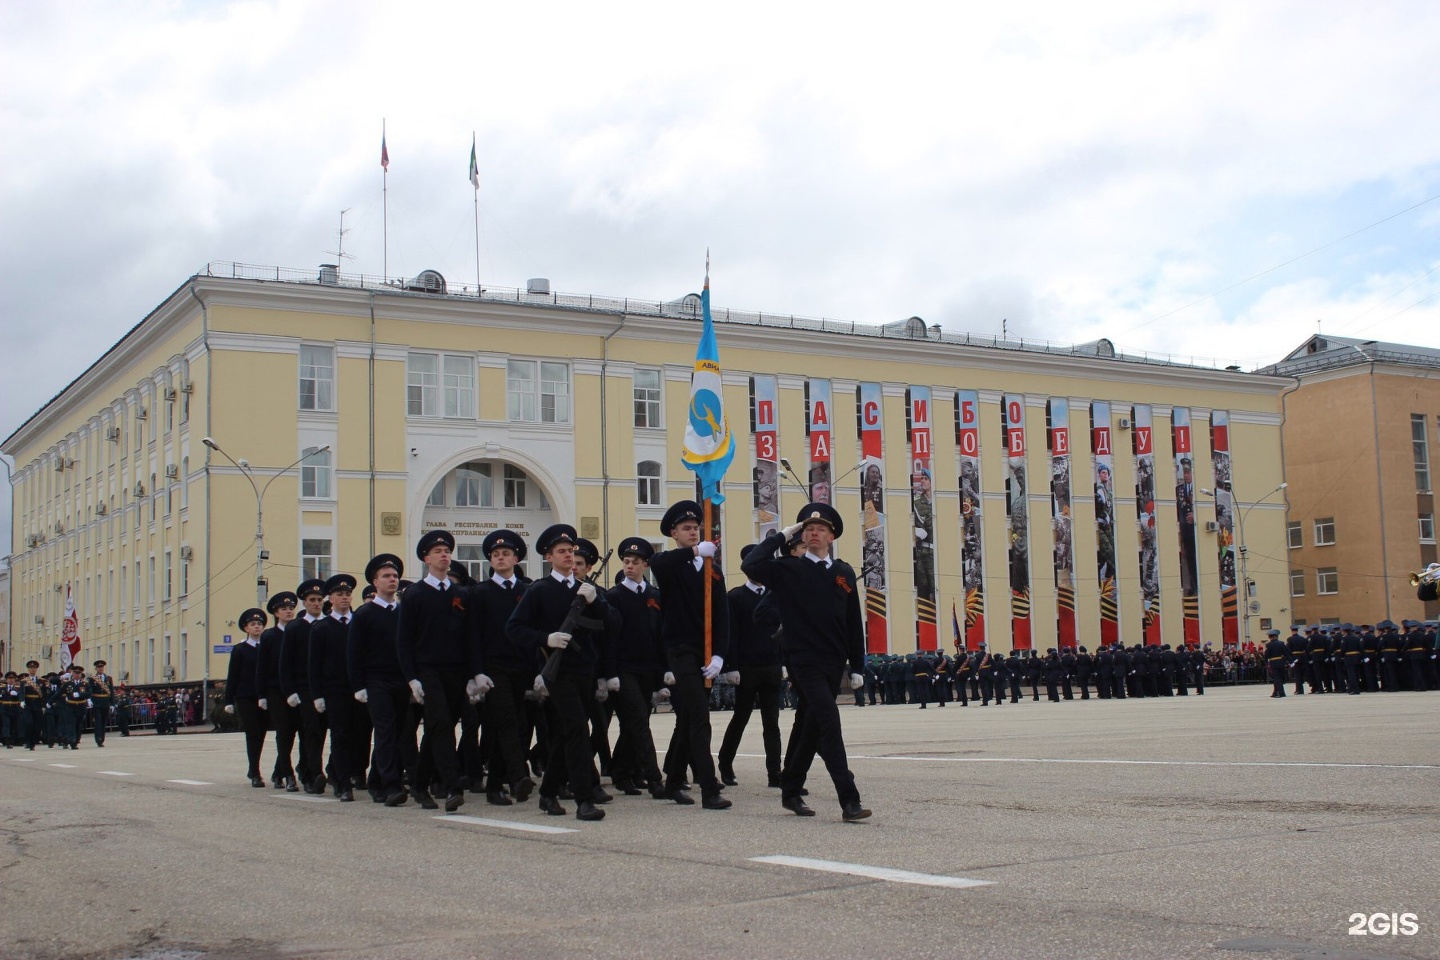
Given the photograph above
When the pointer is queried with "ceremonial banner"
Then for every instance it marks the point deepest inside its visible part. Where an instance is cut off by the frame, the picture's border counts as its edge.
(709, 446)
(872, 516)
(1185, 512)
(922, 515)
(1142, 442)
(70, 633)
(1017, 511)
(1225, 527)
(1103, 454)
(972, 567)
(766, 478)
(1058, 415)
(818, 412)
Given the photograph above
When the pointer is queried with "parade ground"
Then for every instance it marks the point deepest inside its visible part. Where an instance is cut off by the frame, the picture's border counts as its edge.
(1225, 826)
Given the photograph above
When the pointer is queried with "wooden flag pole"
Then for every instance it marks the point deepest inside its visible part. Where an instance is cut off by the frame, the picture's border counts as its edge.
(709, 597)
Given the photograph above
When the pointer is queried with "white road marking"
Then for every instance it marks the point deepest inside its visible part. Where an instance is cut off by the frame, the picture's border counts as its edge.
(874, 873)
(116, 773)
(193, 783)
(66, 766)
(22, 759)
(1158, 763)
(506, 824)
(307, 799)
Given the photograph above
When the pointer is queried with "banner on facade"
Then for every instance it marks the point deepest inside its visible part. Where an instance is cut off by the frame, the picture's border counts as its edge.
(1185, 514)
(1142, 441)
(1017, 510)
(972, 567)
(922, 515)
(1058, 414)
(869, 402)
(818, 420)
(1225, 526)
(766, 476)
(1103, 454)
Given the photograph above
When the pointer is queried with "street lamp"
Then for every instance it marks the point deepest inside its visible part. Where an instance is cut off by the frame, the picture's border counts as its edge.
(261, 554)
(1244, 565)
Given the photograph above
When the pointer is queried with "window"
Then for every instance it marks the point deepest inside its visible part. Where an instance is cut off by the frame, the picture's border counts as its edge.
(169, 577)
(1422, 452)
(184, 483)
(473, 487)
(647, 482)
(1297, 583)
(1295, 538)
(1327, 580)
(315, 474)
(184, 578)
(1324, 531)
(647, 398)
(169, 415)
(514, 486)
(317, 378)
(152, 581)
(474, 563)
(315, 559)
(137, 585)
(437, 494)
(425, 390)
(537, 391)
(1427, 527)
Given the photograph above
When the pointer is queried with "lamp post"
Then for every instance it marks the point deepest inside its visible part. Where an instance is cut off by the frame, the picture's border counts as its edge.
(261, 554)
(1244, 559)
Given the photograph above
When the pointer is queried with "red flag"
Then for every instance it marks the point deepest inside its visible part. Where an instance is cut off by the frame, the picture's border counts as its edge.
(70, 636)
(384, 155)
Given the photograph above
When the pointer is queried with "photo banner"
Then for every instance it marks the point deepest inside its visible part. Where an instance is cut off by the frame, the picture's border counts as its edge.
(766, 479)
(1058, 410)
(869, 402)
(1142, 442)
(922, 515)
(1225, 527)
(1103, 454)
(1017, 512)
(819, 418)
(972, 567)
(1185, 512)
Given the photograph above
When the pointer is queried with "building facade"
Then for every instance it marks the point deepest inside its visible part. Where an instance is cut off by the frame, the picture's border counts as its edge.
(1043, 495)
(1361, 433)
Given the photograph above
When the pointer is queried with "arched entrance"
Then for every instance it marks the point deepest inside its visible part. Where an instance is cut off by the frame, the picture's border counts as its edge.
(483, 495)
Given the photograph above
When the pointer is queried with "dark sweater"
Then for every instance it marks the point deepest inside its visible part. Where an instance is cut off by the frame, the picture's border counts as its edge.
(329, 673)
(437, 630)
(682, 620)
(638, 648)
(295, 659)
(494, 605)
(752, 636)
(540, 613)
(819, 607)
(370, 655)
(267, 665)
(240, 678)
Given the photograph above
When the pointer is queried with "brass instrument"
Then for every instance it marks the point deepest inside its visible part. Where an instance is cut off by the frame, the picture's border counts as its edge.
(1430, 574)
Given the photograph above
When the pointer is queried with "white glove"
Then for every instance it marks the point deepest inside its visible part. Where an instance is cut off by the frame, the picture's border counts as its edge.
(713, 668)
(539, 687)
(319, 704)
(293, 699)
(471, 692)
(705, 548)
(602, 692)
(784, 674)
(732, 677)
(230, 708)
(857, 680)
(263, 704)
(669, 678)
(613, 684)
(417, 692)
(920, 534)
(663, 693)
(793, 529)
(587, 590)
(558, 640)
(363, 696)
(483, 684)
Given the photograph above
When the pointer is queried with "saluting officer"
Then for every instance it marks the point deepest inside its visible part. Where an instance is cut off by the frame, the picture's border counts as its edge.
(330, 692)
(295, 685)
(242, 695)
(283, 718)
(819, 602)
(376, 680)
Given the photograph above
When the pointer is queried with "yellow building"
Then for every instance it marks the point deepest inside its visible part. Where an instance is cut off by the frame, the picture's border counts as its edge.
(407, 407)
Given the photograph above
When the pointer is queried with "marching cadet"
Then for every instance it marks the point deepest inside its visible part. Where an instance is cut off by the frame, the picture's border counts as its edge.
(12, 710)
(986, 672)
(1200, 664)
(923, 672)
(76, 694)
(820, 607)
(538, 621)
(1370, 658)
(639, 661)
(54, 708)
(1009, 668)
(1417, 650)
(1119, 671)
(1104, 664)
(440, 659)
(1295, 647)
(242, 694)
(679, 573)
(295, 685)
(755, 668)
(1067, 670)
(510, 666)
(1389, 656)
(1318, 648)
(598, 708)
(964, 668)
(33, 689)
(1084, 667)
(1350, 652)
(1051, 669)
(282, 717)
(372, 664)
(102, 696)
(1275, 654)
(330, 694)
(123, 705)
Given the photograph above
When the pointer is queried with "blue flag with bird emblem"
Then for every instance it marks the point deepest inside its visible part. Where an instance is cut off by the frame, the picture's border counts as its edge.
(709, 445)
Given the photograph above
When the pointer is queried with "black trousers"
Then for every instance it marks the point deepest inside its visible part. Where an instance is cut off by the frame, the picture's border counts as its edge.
(342, 715)
(286, 721)
(692, 724)
(100, 717)
(1277, 678)
(252, 721)
(569, 759)
(598, 714)
(312, 742)
(394, 725)
(445, 703)
(504, 717)
(817, 686)
(1117, 686)
(634, 757)
(759, 686)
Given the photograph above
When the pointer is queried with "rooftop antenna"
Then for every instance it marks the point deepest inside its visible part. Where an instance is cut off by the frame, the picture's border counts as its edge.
(339, 252)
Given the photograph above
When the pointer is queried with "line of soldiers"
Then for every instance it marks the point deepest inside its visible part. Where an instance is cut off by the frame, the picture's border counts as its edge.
(1352, 659)
(1067, 673)
(53, 709)
(532, 671)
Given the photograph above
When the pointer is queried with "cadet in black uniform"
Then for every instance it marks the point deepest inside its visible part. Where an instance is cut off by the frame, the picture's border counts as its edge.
(1351, 651)
(755, 655)
(373, 666)
(76, 695)
(102, 695)
(241, 693)
(295, 685)
(1370, 658)
(439, 656)
(1275, 654)
(33, 692)
(640, 661)
(820, 607)
(510, 666)
(283, 718)
(537, 620)
(331, 694)
(12, 710)
(679, 573)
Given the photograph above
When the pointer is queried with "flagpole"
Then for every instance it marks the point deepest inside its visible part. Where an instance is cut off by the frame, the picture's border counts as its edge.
(475, 181)
(384, 205)
(709, 598)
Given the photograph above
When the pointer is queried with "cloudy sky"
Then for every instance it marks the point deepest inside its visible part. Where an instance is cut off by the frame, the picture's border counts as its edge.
(1205, 179)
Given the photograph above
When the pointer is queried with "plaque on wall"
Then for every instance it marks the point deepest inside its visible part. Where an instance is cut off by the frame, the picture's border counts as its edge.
(390, 524)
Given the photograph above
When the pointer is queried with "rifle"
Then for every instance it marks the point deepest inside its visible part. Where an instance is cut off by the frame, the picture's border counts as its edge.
(573, 619)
